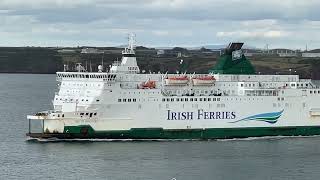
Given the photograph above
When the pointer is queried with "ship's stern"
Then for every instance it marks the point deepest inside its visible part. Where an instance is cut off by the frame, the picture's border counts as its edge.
(42, 125)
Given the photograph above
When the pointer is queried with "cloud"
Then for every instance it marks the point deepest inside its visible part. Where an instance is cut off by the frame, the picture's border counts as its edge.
(43, 4)
(254, 34)
(160, 22)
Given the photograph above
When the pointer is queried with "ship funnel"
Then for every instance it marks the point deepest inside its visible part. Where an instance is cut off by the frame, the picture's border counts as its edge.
(234, 46)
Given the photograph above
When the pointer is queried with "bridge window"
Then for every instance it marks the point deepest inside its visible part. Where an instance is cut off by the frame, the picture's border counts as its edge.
(119, 100)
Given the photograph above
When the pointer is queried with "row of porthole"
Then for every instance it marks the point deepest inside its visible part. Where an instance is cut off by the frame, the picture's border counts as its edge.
(97, 100)
(140, 93)
(206, 99)
(80, 84)
(197, 105)
(88, 114)
(127, 100)
(301, 85)
(62, 115)
(189, 99)
(314, 92)
(109, 76)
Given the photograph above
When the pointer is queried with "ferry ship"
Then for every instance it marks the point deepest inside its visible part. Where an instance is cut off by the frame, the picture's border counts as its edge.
(231, 101)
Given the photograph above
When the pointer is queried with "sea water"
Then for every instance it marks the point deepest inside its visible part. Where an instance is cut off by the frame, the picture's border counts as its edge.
(268, 158)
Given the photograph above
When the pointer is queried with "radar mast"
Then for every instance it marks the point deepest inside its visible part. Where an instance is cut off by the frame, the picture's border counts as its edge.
(131, 44)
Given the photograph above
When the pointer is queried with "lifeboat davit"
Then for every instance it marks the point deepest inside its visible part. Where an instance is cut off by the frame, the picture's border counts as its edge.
(177, 80)
(148, 85)
(203, 80)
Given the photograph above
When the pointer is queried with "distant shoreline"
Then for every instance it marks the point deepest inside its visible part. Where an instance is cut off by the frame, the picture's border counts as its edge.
(31, 60)
(26, 73)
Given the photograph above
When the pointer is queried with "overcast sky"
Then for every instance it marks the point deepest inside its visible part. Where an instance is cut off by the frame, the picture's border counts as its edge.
(284, 23)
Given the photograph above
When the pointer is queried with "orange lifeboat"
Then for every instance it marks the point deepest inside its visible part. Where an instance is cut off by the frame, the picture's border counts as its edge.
(177, 80)
(203, 80)
(148, 85)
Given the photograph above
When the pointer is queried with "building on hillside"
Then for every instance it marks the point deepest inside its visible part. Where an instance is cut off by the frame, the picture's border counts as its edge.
(283, 52)
(66, 51)
(160, 52)
(310, 54)
(91, 51)
(290, 54)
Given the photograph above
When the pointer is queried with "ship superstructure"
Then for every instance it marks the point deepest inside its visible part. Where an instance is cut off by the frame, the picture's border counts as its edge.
(124, 104)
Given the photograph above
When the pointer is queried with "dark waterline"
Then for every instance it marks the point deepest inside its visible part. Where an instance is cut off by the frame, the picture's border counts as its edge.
(21, 94)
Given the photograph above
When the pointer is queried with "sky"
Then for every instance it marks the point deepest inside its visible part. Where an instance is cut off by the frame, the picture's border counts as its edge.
(160, 23)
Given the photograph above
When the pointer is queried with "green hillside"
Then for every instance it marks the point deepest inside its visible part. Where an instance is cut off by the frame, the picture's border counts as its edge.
(50, 60)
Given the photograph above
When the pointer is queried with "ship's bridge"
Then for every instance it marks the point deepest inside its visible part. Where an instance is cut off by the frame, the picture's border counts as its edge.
(128, 64)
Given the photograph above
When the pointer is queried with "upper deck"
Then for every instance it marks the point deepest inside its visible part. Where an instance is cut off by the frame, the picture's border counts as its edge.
(219, 77)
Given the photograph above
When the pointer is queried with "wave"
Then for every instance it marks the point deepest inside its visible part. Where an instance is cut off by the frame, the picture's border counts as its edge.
(106, 140)
(267, 138)
(165, 140)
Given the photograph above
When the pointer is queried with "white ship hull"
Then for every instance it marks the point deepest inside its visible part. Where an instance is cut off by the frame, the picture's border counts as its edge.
(111, 105)
(127, 110)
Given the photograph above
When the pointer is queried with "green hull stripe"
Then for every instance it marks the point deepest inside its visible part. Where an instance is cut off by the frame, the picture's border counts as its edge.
(212, 133)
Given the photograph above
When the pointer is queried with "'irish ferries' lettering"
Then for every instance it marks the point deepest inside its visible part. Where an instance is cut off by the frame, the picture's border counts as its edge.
(200, 114)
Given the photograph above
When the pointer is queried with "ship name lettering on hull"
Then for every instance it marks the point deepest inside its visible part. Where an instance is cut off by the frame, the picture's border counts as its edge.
(200, 114)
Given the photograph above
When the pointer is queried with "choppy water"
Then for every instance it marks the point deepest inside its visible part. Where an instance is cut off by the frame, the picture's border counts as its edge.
(264, 158)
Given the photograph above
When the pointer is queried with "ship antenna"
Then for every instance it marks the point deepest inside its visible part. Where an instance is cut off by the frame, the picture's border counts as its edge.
(131, 44)
(132, 41)
(102, 60)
